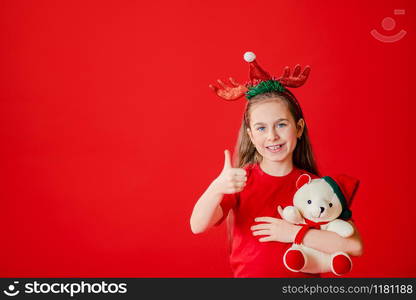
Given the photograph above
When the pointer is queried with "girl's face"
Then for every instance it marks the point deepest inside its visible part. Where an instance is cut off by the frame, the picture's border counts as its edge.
(273, 131)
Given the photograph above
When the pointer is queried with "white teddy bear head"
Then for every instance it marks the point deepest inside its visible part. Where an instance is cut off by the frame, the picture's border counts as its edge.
(316, 200)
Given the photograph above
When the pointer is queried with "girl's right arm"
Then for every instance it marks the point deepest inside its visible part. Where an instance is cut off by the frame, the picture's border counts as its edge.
(207, 210)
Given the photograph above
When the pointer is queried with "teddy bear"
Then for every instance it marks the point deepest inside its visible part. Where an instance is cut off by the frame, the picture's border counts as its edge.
(320, 203)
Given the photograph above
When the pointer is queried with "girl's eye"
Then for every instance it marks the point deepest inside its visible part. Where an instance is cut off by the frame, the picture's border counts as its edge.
(260, 128)
(330, 204)
(309, 201)
(281, 125)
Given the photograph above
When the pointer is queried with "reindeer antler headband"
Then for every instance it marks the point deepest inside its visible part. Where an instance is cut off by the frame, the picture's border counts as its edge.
(260, 81)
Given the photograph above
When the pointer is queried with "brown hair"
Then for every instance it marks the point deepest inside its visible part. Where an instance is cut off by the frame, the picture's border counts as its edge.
(303, 157)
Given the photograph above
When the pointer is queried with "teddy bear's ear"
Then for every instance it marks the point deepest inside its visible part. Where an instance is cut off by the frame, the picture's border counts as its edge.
(302, 180)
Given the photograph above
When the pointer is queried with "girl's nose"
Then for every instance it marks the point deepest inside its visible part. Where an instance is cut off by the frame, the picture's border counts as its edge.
(272, 135)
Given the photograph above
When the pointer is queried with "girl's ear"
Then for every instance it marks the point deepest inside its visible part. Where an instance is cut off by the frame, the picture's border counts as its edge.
(302, 180)
(300, 126)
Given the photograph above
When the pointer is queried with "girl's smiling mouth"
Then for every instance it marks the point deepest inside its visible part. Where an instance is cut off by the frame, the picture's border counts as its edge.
(275, 148)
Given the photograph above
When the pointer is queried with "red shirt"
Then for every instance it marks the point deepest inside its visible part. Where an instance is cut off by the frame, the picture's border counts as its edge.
(261, 196)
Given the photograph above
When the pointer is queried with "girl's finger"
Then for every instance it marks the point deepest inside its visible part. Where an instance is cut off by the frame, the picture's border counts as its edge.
(239, 172)
(266, 219)
(239, 190)
(260, 226)
(240, 179)
(266, 239)
(280, 210)
(233, 190)
(240, 175)
(239, 185)
(261, 232)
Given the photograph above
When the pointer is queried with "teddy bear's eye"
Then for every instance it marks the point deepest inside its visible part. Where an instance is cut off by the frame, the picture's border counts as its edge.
(330, 204)
(309, 201)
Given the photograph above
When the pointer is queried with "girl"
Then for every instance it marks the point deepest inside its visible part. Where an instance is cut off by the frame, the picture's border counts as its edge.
(273, 151)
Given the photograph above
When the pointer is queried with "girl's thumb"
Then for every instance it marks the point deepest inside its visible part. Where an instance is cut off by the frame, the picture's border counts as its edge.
(227, 159)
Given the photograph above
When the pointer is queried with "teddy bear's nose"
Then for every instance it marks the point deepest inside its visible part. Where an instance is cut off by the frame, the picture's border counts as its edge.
(322, 209)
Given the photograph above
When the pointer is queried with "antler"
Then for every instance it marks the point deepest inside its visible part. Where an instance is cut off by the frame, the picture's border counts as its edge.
(229, 93)
(296, 79)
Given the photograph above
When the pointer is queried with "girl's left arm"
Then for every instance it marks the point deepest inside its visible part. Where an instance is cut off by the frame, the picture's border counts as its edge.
(278, 230)
(330, 242)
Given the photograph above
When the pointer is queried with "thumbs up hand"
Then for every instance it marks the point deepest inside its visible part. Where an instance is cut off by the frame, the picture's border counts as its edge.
(231, 180)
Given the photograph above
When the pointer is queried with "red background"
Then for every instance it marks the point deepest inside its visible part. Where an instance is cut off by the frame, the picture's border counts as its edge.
(110, 134)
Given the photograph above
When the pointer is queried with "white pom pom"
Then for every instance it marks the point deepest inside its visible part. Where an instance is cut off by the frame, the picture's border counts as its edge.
(249, 56)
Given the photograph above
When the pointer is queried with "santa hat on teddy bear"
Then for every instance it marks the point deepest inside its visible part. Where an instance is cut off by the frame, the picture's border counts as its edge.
(345, 188)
